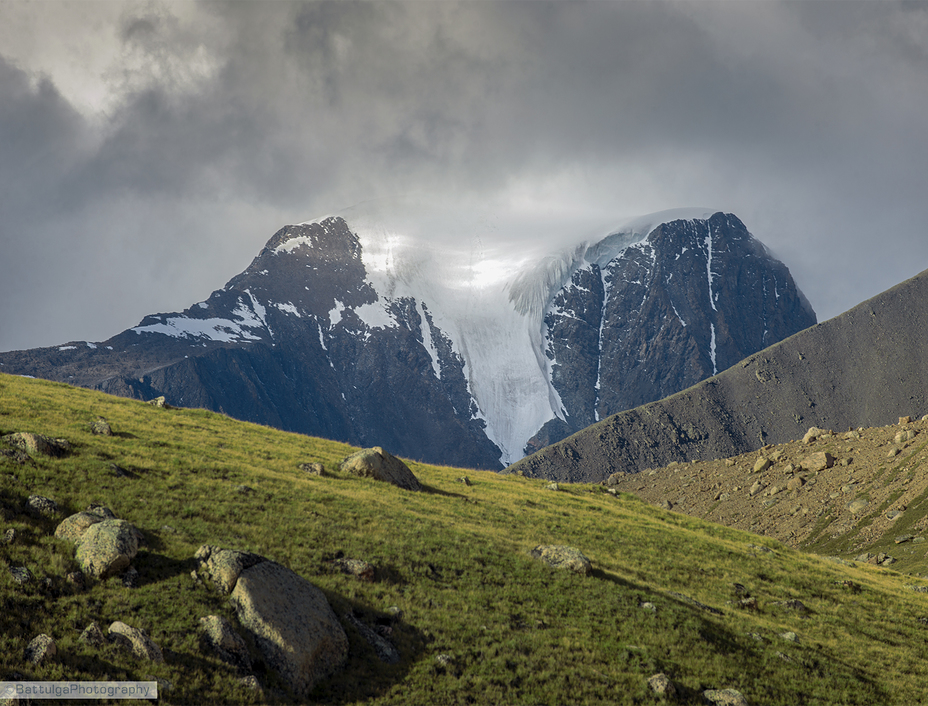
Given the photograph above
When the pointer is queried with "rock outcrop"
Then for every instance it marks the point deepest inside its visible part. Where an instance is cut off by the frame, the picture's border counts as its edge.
(380, 465)
(292, 624)
(106, 548)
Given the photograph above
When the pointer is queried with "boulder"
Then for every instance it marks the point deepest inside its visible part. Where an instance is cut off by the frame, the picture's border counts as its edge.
(38, 444)
(813, 434)
(93, 635)
(313, 469)
(795, 483)
(40, 506)
(662, 686)
(356, 567)
(292, 624)
(762, 464)
(724, 697)
(41, 649)
(380, 465)
(73, 528)
(817, 462)
(218, 635)
(101, 426)
(386, 650)
(223, 566)
(562, 557)
(136, 640)
(160, 402)
(107, 547)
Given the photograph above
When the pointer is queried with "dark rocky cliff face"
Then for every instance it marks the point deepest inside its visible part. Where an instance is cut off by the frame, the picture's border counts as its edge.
(693, 299)
(862, 368)
(302, 341)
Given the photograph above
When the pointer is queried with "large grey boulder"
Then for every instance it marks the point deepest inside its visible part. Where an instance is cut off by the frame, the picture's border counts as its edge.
(38, 444)
(107, 547)
(561, 557)
(292, 624)
(41, 649)
(380, 465)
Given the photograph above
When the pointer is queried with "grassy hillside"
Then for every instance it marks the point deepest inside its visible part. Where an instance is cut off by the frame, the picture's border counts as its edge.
(454, 559)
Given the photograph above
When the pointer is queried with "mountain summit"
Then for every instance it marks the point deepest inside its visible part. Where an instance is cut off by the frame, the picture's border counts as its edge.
(352, 330)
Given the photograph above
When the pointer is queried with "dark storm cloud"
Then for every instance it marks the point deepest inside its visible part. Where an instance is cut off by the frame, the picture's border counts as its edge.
(806, 119)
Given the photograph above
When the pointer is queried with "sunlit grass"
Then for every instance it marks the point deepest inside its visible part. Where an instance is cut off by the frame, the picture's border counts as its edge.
(454, 559)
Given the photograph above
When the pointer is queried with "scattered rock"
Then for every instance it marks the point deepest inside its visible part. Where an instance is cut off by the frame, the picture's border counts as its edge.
(762, 464)
(40, 650)
(313, 469)
(355, 567)
(756, 488)
(553, 486)
(160, 403)
(648, 605)
(789, 636)
(795, 483)
(21, 575)
(38, 444)
(380, 465)
(818, 461)
(724, 697)
(858, 505)
(893, 514)
(101, 426)
(662, 686)
(136, 640)
(905, 435)
(291, 622)
(130, 578)
(905, 420)
(93, 635)
(562, 557)
(8, 537)
(40, 506)
(121, 472)
(106, 548)
(666, 505)
(813, 434)
(892, 453)
(465, 480)
(75, 578)
(386, 650)
(219, 636)
(901, 539)
(250, 682)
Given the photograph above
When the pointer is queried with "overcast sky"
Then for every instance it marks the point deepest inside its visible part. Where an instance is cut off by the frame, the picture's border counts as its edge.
(149, 149)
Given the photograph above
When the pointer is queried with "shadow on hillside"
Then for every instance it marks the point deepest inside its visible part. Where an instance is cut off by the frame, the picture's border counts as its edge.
(365, 676)
(431, 490)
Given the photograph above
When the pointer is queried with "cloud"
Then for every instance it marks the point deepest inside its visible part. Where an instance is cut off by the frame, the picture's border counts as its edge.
(149, 149)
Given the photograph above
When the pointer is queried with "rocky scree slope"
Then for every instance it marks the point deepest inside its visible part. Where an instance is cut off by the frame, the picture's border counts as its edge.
(861, 494)
(857, 369)
(336, 331)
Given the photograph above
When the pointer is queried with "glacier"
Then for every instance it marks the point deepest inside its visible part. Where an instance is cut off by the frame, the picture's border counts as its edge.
(488, 301)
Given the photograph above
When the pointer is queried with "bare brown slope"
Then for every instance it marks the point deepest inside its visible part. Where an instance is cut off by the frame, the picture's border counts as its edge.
(857, 369)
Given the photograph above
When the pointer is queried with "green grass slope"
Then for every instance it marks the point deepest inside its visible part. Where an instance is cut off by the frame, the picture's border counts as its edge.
(454, 559)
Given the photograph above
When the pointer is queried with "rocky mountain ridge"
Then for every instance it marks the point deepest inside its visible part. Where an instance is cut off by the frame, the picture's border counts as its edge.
(857, 369)
(344, 329)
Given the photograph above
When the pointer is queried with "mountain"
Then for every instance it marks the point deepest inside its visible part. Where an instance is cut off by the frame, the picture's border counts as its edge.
(862, 368)
(349, 329)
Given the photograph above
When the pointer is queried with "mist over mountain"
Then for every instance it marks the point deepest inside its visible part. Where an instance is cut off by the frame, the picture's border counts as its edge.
(353, 329)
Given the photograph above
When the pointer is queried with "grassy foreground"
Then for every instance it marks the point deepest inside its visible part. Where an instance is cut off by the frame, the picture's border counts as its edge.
(453, 559)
